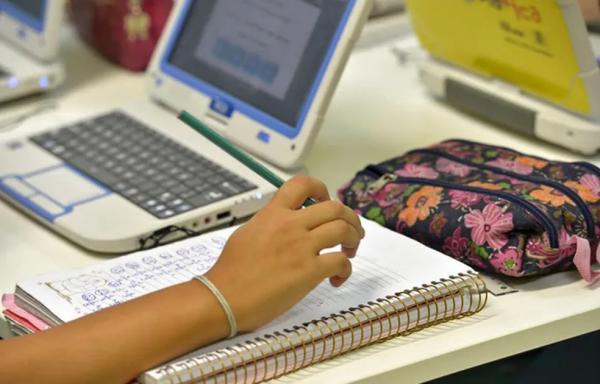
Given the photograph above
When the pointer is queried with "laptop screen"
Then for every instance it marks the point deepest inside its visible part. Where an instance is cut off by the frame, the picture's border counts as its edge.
(525, 43)
(264, 56)
(30, 12)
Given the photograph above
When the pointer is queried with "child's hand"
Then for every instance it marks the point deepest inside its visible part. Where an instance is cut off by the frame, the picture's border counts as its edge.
(273, 261)
(267, 266)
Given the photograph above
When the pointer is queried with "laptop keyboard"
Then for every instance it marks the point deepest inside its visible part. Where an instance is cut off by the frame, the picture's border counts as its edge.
(150, 170)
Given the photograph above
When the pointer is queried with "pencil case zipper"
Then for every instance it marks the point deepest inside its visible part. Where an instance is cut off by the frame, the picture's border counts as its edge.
(589, 166)
(543, 219)
(581, 205)
(583, 164)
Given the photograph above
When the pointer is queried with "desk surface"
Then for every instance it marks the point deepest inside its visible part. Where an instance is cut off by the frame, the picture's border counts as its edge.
(380, 110)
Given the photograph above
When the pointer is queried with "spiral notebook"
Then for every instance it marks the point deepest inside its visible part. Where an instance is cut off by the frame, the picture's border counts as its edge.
(398, 286)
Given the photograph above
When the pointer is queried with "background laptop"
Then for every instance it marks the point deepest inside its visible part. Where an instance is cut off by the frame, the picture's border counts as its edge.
(527, 65)
(29, 41)
(260, 72)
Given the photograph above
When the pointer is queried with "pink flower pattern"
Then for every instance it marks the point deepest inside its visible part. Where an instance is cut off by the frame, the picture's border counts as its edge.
(511, 165)
(463, 198)
(484, 229)
(568, 244)
(389, 195)
(592, 182)
(456, 245)
(537, 248)
(414, 170)
(489, 226)
(452, 167)
(508, 262)
(499, 178)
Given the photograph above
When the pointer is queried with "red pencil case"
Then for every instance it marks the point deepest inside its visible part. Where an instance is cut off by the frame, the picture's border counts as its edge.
(124, 31)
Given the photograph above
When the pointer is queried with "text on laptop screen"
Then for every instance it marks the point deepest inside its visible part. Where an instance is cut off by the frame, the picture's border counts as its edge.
(268, 54)
(30, 12)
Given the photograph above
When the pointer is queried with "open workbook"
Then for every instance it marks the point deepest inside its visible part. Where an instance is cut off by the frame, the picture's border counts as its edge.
(397, 286)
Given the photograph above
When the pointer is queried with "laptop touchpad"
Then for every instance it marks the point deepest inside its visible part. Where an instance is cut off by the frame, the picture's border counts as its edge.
(54, 191)
(65, 186)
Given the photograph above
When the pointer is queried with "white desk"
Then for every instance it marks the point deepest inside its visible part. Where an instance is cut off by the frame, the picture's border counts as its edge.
(379, 111)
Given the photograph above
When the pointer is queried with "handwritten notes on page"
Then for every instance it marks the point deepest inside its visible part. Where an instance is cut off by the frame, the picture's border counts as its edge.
(75, 293)
(386, 263)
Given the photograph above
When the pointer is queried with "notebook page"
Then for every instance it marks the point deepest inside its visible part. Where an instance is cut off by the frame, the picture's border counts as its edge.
(75, 293)
(386, 263)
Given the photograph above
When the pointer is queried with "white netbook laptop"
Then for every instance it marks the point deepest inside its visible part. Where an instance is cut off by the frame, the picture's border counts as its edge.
(259, 72)
(29, 41)
(526, 65)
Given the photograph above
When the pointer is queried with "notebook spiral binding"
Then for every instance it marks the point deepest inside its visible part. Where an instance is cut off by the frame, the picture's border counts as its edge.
(280, 353)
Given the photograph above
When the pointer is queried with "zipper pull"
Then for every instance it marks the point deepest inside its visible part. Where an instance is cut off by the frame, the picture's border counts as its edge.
(381, 182)
(583, 260)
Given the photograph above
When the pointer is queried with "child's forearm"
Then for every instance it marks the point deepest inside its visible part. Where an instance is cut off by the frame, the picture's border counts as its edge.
(117, 344)
(267, 266)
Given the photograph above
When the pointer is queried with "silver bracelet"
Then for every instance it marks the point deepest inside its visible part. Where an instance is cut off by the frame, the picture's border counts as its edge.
(226, 307)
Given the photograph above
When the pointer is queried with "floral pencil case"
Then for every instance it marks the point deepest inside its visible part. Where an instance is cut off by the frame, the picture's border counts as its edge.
(491, 207)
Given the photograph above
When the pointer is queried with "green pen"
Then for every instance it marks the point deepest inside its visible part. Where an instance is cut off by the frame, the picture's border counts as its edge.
(234, 151)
